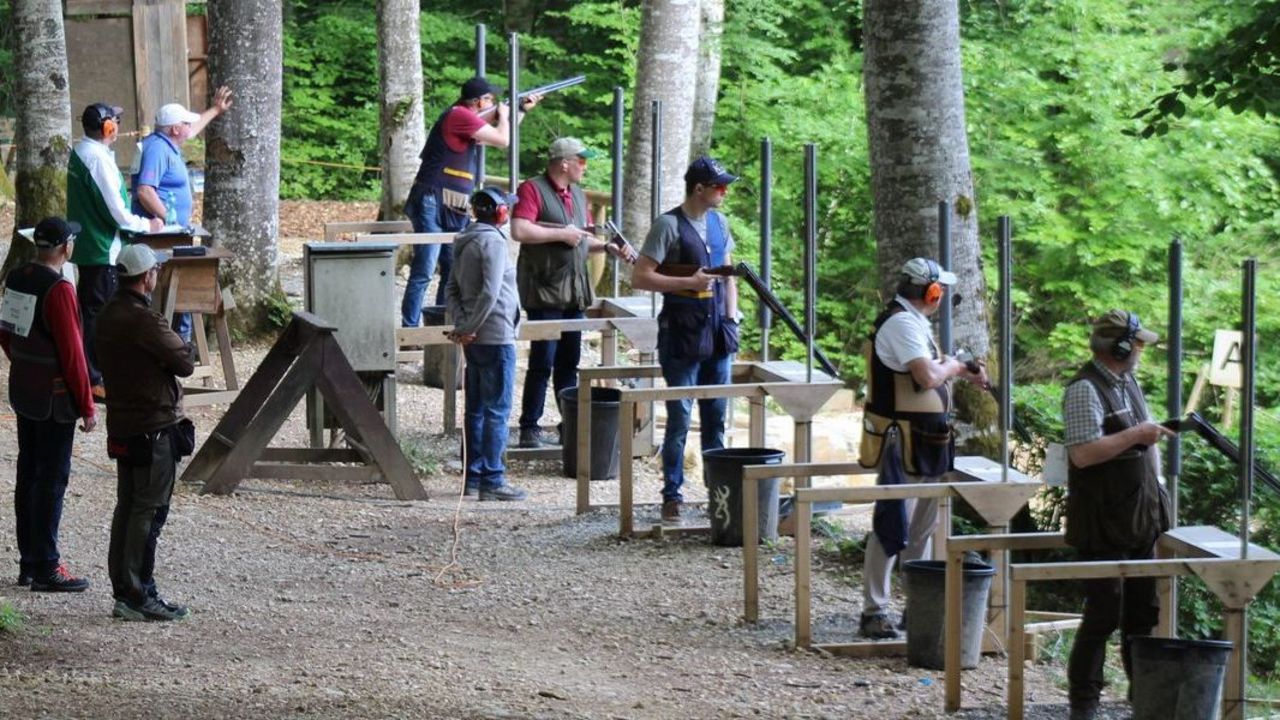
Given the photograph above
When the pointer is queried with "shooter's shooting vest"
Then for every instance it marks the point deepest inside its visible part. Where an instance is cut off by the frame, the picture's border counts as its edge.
(1118, 504)
(37, 389)
(922, 415)
(692, 325)
(447, 173)
(553, 276)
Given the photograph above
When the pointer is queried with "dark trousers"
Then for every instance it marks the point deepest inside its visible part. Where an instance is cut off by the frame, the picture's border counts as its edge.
(142, 506)
(94, 287)
(554, 360)
(1128, 604)
(44, 466)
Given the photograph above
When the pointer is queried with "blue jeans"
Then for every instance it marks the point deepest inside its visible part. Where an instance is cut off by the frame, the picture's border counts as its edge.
(555, 360)
(679, 372)
(488, 386)
(44, 466)
(425, 217)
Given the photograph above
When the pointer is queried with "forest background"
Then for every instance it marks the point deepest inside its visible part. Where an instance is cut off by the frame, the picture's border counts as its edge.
(1052, 89)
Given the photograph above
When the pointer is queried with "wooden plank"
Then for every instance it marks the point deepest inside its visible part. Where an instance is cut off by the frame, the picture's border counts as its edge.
(98, 7)
(1017, 648)
(695, 392)
(626, 418)
(225, 355)
(409, 238)
(952, 612)
(750, 549)
(357, 474)
(866, 649)
(1236, 682)
(875, 492)
(310, 455)
(1015, 541)
(202, 347)
(799, 470)
(334, 230)
(659, 531)
(533, 454)
(199, 397)
(1109, 568)
(583, 440)
(1209, 541)
(618, 372)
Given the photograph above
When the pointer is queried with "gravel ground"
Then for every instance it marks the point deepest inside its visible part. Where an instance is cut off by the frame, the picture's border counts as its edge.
(337, 601)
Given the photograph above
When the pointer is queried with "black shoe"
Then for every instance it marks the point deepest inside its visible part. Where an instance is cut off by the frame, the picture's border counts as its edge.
(902, 622)
(507, 493)
(153, 609)
(24, 580)
(1084, 711)
(471, 490)
(878, 627)
(59, 581)
(530, 438)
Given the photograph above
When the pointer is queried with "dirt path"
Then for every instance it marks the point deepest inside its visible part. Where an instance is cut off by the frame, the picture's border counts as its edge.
(314, 600)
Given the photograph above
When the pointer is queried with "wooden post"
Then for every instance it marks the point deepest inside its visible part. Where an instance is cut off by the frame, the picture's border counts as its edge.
(750, 548)
(584, 447)
(804, 636)
(756, 421)
(952, 612)
(1017, 646)
(626, 420)
(1236, 684)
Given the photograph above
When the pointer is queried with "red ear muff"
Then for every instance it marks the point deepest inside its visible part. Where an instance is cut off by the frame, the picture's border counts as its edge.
(109, 127)
(501, 215)
(933, 292)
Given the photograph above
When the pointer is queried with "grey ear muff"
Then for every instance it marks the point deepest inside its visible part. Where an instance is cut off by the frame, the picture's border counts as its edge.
(1122, 348)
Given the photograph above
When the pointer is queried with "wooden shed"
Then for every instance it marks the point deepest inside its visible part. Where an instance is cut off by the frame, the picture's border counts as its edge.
(138, 54)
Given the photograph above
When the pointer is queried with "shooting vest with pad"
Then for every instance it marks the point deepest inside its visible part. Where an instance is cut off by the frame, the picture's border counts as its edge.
(37, 388)
(692, 324)
(554, 276)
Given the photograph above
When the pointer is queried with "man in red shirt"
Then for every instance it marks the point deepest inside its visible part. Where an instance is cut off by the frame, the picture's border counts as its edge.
(550, 223)
(440, 198)
(49, 391)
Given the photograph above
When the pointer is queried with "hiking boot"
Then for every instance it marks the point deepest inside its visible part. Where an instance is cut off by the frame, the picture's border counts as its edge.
(153, 609)
(530, 438)
(671, 510)
(505, 493)
(24, 580)
(878, 627)
(59, 581)
(471, 489)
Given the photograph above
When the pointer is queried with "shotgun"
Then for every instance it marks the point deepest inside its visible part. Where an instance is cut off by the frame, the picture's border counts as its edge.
(548, 88)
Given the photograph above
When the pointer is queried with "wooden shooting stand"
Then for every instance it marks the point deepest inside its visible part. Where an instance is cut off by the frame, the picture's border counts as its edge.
(306, 355)
(190, 285)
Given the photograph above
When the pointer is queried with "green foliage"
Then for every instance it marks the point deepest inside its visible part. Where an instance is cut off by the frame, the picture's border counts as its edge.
(8, 38)
(10, 618)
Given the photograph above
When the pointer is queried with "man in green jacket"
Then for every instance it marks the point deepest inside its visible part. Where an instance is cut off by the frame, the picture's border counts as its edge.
(97, 200)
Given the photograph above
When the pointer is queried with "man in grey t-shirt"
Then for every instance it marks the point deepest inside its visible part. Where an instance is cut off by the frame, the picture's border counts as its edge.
(698, 327)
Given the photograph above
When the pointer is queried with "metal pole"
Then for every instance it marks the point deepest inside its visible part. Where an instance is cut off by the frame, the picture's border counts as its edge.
(766, 238)
(1173, 392)
(1248, 356)
(944, 260)
(481, 62)
(810, 253)
(513, 151)
(1005, 229)
(655, 181)
(619, 115)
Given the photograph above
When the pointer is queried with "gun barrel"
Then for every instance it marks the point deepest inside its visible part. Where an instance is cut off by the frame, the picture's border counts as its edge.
(543, 90)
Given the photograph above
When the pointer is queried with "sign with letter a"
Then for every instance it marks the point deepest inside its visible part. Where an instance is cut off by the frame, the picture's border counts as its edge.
(1228, 356)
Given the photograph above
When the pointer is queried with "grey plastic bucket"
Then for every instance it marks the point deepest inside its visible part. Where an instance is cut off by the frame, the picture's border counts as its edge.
(605, 441)
(722, 474)
(1177, 679)
(926, 585)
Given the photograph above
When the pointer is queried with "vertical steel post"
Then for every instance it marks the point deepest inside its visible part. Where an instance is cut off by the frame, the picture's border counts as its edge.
(513, 97)
(619, 116)
(1248, 357)
(944, 260)
(1173, 392)
(1005, 230)
(810, 253)
(655, 180)
(766, 239)
(481, 62)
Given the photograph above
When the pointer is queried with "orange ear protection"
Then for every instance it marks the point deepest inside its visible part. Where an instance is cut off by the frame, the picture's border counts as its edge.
(932, 292)
(109, 127)
(491, 206)
(1122, 348)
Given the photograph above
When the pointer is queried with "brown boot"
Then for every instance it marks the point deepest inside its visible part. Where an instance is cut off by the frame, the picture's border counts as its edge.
(671, 510)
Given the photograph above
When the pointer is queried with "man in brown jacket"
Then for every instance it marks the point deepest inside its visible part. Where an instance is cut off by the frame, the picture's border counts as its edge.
(141, 360)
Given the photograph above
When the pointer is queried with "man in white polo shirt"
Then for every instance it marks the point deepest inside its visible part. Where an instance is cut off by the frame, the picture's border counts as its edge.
(909, 406)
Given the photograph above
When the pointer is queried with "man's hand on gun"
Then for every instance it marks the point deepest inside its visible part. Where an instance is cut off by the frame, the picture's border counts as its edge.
(461, 339)
(528, 102)
(975, 370)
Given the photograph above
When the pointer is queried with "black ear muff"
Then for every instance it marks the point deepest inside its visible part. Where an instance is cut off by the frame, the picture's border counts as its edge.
(1122, 348)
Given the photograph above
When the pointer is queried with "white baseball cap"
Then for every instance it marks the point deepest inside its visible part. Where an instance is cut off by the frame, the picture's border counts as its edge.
(922, 271)
(138, 258)
(174, 113)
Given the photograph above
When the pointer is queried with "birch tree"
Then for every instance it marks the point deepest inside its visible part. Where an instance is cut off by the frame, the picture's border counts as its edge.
(401, 133)
(43, 129)
(708, 80)
(242, 189)
(666, 70)
(919, 150)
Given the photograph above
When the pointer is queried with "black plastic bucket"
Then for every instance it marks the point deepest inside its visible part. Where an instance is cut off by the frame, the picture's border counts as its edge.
(722, 474)
(605, 441)
(926, 587)
(1177, 679)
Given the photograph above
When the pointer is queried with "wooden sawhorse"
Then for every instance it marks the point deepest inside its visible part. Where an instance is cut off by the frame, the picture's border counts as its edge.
(189, 284)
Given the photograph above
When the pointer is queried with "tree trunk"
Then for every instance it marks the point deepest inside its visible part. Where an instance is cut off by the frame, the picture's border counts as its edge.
(43, 132)
(665, 70)
(919, 150)
(708, 80)
(400, 130)
(519, 15)
(242, 188)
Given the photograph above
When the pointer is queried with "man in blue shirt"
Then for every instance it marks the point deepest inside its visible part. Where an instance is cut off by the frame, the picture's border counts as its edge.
(161, 186)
